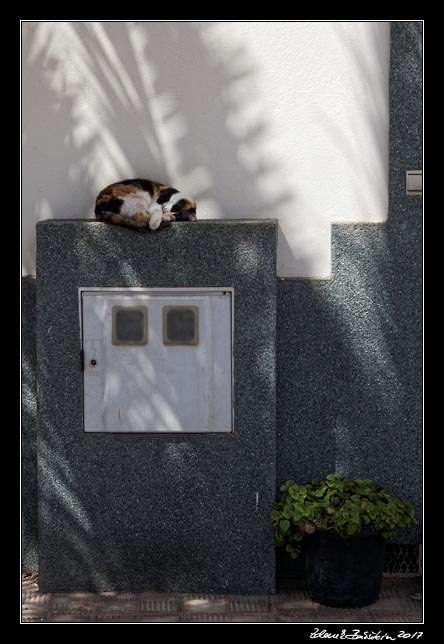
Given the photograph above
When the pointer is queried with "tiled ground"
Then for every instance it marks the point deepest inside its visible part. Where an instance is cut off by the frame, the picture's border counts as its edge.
(399, 602)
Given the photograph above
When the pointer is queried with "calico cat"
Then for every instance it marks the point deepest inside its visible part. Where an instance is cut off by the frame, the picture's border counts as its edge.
(142, 204)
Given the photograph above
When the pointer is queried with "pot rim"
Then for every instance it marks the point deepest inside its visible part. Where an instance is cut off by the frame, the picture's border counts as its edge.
(366, 531)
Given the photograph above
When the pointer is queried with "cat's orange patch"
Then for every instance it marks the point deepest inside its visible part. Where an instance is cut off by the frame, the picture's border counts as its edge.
(116, 219)
(122, 190)
(140, 217)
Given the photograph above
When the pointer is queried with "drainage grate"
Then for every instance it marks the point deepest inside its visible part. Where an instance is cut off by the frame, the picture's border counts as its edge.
(403, 559)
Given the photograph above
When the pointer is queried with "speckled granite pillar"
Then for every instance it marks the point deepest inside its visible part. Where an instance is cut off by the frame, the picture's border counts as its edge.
(29, 428)
(156, 512)
(349, 354)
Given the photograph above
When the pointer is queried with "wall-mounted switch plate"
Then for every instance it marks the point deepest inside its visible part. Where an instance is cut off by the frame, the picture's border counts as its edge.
(413, 182)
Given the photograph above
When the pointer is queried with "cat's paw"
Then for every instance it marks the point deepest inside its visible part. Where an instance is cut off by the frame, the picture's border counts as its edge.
(168, 216)
(154, 222)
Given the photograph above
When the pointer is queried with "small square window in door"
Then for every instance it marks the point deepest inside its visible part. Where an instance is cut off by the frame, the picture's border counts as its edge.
(181, 325)
(130, 325)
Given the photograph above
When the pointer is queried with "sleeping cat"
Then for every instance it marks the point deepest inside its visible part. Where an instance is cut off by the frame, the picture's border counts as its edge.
(140, 203)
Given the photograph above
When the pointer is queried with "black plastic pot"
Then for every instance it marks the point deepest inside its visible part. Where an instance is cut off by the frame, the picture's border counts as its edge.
(344, 572)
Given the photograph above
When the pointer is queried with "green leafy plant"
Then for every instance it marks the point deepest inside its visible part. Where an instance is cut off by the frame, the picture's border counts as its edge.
(339, 505)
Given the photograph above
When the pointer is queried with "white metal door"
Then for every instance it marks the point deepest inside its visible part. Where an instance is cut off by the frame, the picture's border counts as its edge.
(143, 380)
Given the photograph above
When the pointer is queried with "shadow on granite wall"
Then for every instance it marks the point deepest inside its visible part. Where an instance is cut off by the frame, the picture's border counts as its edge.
(29, 428)
(350, 349)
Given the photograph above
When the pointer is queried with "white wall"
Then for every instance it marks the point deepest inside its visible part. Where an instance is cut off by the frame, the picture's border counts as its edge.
(254, 119)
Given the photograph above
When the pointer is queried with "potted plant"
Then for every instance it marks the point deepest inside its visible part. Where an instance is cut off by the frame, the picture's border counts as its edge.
(344, 524)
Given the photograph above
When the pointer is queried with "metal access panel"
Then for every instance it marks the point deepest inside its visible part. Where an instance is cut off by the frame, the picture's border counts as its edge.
(157, 360)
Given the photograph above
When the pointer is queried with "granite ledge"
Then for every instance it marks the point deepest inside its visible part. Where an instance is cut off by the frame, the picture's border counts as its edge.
(219, 222)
